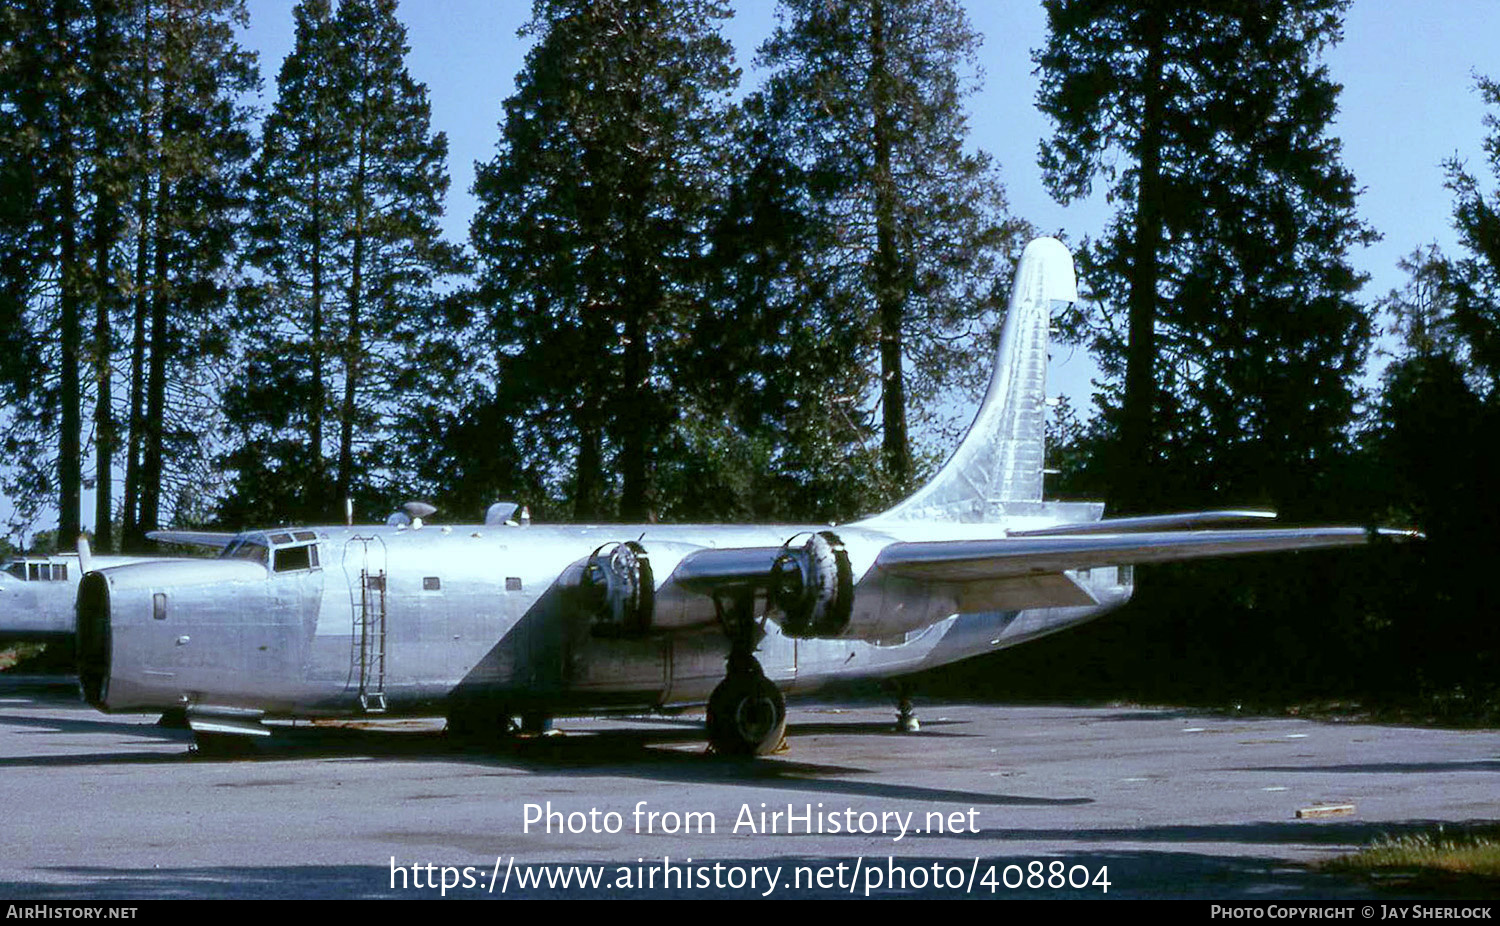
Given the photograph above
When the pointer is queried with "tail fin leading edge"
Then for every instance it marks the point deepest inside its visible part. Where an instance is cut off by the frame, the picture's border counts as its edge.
(1000, 459)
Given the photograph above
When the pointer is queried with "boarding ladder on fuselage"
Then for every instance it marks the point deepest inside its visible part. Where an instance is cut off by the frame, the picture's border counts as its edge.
(369, 622)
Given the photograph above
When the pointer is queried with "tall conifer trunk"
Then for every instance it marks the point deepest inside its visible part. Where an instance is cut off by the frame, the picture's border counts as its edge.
(889, 299)
(106, 210)
(1137, 431)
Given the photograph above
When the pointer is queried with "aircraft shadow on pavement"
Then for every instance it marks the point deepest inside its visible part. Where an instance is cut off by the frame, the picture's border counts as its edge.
(671, 751)
(659, 753)
(90, 725)
(1384, 768)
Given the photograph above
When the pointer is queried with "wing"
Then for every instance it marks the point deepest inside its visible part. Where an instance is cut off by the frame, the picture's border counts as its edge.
(1155, 522)
(1005, 573)
(210, 539)
(1021, 572)
(1011, 557)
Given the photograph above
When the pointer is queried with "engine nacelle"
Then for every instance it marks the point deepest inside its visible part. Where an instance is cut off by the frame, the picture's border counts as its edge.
(813, 586)
(620, 590)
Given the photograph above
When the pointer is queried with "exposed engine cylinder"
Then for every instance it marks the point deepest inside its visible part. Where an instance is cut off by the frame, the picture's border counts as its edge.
(813, 585)
(621, 589)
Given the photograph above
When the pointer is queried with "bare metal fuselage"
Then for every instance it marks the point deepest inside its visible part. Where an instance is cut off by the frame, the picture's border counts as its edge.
(419, 620)
(37, 595)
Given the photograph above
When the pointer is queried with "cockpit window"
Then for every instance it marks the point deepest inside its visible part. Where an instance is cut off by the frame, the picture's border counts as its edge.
(252, 550)
(292, 558)
(38, 572)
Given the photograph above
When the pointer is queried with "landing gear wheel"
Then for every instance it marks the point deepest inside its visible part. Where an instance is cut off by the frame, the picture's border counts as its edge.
(221, 745)
(746, 716)
(534, 724)
(474, 726)
(906, 717)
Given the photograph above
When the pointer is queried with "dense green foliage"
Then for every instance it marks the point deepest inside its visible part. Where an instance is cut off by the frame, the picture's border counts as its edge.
(126, 138)
(1408, 626)
(1233, 378)
(338, 325)
(866, 100)
(591, 236)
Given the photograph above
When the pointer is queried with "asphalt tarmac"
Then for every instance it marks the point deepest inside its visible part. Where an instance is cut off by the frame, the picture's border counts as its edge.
(1028, 802)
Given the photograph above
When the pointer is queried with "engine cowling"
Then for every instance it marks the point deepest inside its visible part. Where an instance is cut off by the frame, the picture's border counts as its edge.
(620, 590)
(813, 586)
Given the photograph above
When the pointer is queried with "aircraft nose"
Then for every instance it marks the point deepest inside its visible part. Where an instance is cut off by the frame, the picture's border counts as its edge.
(94, 642)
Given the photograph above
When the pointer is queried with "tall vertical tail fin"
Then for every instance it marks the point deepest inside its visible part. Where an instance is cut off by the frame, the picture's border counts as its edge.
(997, 469)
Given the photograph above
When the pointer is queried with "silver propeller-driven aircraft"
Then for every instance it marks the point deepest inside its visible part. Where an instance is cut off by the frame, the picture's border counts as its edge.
(486, 622)
(38, 593)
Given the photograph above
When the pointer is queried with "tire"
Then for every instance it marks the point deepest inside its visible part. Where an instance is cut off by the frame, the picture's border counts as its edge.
(479, 725)
(746, 716)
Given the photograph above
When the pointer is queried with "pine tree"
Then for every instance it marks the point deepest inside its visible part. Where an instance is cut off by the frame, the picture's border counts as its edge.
(297, 214)
(591, 230)
(109, 107)
(1474, 282)
(867, 99)
(1435, 438)
(1229, 253)
(349, 188)
(46, 124)
(193, 145)
(774, 377)
(122, 127)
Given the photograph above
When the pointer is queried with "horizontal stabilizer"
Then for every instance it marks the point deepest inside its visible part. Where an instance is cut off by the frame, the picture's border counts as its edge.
(211, 539)
(1155, 522)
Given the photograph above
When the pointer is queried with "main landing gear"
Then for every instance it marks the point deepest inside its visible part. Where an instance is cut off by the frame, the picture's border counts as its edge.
(475, 722)
(906, 716)
(746, 712)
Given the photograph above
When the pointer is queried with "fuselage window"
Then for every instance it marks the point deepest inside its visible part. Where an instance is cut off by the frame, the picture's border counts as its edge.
(18, 570)
(59, 572)
(34, 572)
(512, 583)
(431, 584)
(159, 606)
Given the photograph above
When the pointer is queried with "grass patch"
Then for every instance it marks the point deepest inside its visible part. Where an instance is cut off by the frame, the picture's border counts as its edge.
(1464, 711)
(38, 659)
(18, 652)
(1467, 860)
